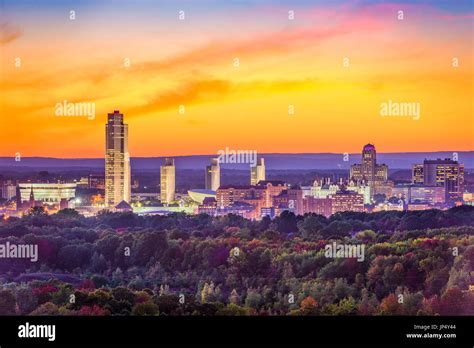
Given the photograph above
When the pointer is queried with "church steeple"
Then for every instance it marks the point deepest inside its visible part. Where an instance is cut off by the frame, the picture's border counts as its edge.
(32, 197)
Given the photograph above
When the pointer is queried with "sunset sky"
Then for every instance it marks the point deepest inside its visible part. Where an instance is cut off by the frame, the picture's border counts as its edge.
(190, 62)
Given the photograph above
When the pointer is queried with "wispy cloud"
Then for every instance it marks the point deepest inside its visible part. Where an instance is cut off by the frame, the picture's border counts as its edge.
(214, 90)
(9, 33)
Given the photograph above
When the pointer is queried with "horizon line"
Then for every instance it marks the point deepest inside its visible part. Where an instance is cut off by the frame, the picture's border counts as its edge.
(262, 154)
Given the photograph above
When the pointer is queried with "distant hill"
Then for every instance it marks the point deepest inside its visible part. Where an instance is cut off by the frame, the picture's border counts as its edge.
(272, 161)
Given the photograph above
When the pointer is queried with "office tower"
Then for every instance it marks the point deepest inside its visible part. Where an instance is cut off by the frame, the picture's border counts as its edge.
(213, 175)
(257, 173)
(167, 175)
(368, 171)
(117, 161)
(445, 173)
(369, 160)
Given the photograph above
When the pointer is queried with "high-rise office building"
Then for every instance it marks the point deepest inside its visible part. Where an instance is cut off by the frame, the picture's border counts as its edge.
(213, 175)
(257, 173)
(117, 161)
(368, 171)
(446, 173)
(167, 181)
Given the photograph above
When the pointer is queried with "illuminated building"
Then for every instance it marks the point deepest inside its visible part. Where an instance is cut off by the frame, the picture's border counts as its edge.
(281, 203)
(418, 206)
(270, 212)
(321, 206)
(96, 181)
(427, 194)
(259, 196)
(384, 188)
(401, 192)
(445, 173)
(363, 190)
(47, 192)
(117, 161)
(213, 175)
(271, 189)
(83, 182)
(257, 173)
(8, 189)
(199, 195)
(387, 206)
(468, 198)
(291, 200)
(230, 194)
(347, 201)
(368, 171)
(208, 206)
(417, 174)
(244, 209)
(420, 194)
(320, 189)
(167, 181)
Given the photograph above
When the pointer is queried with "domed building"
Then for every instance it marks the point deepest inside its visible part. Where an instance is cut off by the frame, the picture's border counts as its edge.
(198, 195)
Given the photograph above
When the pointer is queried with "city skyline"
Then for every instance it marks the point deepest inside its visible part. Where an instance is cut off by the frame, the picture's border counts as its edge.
(195, 161)
(280, 85)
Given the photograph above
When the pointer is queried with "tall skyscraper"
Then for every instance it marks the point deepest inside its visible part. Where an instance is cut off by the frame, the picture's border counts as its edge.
(117, 161)
(446, 173)
(167, 176)
(257, 173)
(213, 175)
(368, 171)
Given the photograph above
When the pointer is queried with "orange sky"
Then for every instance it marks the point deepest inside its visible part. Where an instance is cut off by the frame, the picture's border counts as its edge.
(282, 63)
